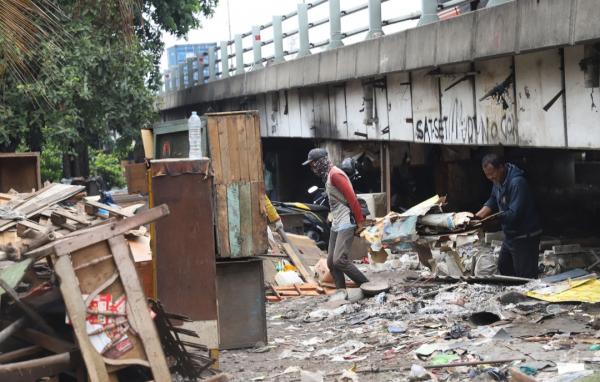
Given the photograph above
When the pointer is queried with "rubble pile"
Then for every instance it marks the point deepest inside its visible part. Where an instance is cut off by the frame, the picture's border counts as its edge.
(74, 271)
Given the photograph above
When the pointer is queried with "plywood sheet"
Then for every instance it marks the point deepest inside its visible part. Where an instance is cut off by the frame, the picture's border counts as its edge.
(233, 217)
(458, 105)
(496, 120)
(247, 248)
(538, 81)
(583, 103)
(400, 107)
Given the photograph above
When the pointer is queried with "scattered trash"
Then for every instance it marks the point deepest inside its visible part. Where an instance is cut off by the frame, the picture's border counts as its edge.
(418, 372)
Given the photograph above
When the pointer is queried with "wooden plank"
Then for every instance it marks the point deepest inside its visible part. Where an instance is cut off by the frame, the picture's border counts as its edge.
(224, 147)
(139, 309)
(257, 148)
(100, 233)
(247, 247)
(67, 214)
(259, 220)
(77, 314)
(233, 217)
(297, 263)
(92, 205)
(255, 164)
(233, 149)
(222, 221)
(214, 149)
(244, 153)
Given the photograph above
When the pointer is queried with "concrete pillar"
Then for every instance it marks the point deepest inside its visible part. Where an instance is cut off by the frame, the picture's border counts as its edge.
(335, 25)
(278, 39)
(257, 47)
(180, 75)
(303, 30)
(167, 81)
(428, 12)
(201, 66)
(173, 72)
(212, 60)
(189, 64)
(493, 3)
(375, 29)
(224, 60)
(239, 55)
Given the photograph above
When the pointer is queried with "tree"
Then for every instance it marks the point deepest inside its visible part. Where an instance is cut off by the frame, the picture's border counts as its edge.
(93, 84)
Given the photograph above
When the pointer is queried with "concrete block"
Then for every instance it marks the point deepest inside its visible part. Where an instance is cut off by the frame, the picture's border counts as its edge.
(295, 68)
(392, 49)
(270, 78)
(495, 30)
(328, 66)
(310, 69)
(544, 24)
(255, 81)
(367, 62)
(455, 39)
(236, 85)
(283, 75)
(587, 26)
(346, 63)
(421, 46)
(218, 89)
(493, 236)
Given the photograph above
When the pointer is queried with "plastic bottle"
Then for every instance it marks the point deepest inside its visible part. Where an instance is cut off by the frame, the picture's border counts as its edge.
(195, 136)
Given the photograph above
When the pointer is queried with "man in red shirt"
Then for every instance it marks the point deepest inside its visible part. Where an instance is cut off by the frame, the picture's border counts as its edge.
(347, 219)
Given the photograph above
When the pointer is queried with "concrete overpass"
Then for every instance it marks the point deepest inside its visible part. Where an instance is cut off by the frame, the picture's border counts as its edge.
(521, 73)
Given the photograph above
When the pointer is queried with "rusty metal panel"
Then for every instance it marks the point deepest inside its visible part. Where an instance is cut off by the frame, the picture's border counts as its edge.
(583, 98)
(458, 107)
(242, 311)
(426, 107)
(496, 120)
(540, 102)
(400, 107)
(185, 248)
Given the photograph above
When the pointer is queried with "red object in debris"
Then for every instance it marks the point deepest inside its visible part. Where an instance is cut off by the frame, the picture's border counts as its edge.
(365, 260)
(256, 37)
(389, 354)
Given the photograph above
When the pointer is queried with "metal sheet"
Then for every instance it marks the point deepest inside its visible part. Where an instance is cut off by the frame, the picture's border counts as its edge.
(458, 106)
(426, 107)
(307, 112)
(380, 129)
(496, 121)
(400, 107)
(241, 294)
(538, 81)
(583, 103)
(337, 108)
(289, 111)
(321, 112)
(185, 258)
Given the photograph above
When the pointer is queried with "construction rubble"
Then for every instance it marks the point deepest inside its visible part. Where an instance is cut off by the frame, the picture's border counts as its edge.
(74, 273)
(442, 312)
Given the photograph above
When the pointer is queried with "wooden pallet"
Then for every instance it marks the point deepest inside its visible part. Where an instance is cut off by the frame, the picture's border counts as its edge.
(98, 260)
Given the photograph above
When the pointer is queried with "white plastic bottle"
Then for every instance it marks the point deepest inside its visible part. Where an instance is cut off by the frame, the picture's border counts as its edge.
(195, 136)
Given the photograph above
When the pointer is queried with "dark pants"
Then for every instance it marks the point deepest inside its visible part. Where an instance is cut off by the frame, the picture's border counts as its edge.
(520, 257)
(340, 244)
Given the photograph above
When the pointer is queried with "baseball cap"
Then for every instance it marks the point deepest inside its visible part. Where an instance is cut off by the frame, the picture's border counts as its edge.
(315, 154)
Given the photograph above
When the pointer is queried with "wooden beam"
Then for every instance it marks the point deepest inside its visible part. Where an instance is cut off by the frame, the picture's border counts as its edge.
(20, 353)
(37, 368)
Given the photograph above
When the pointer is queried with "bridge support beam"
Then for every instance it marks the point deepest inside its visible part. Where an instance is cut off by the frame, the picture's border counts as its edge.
(278, 39)
(335, 25)
(224, 59)
(303, 30)
(239, 55)
(181, 78)
(167, 80)
(173, 72)
(189, 64)
(256, 47)
(428, 12)
(375, 29)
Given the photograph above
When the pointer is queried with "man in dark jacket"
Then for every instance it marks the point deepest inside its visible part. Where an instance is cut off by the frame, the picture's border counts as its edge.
(512, 197)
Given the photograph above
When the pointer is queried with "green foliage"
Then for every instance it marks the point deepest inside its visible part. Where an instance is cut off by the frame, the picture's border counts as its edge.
(94, 84)
(108, 167)
(51, 163)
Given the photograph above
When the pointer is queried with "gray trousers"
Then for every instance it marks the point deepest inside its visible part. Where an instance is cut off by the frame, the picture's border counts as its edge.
(340, 244)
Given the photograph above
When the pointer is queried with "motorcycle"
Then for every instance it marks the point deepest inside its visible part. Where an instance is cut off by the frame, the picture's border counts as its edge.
(316, 214)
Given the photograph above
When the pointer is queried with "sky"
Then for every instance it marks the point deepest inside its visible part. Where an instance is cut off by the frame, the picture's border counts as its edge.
(245, 13)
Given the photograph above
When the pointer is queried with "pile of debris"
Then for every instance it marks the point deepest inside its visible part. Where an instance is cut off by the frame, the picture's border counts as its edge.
(72, 300)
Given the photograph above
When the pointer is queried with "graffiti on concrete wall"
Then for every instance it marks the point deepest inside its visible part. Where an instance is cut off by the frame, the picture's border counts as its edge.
(461, 128)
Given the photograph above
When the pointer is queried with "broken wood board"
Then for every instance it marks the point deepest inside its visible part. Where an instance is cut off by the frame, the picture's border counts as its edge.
(298, 263)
